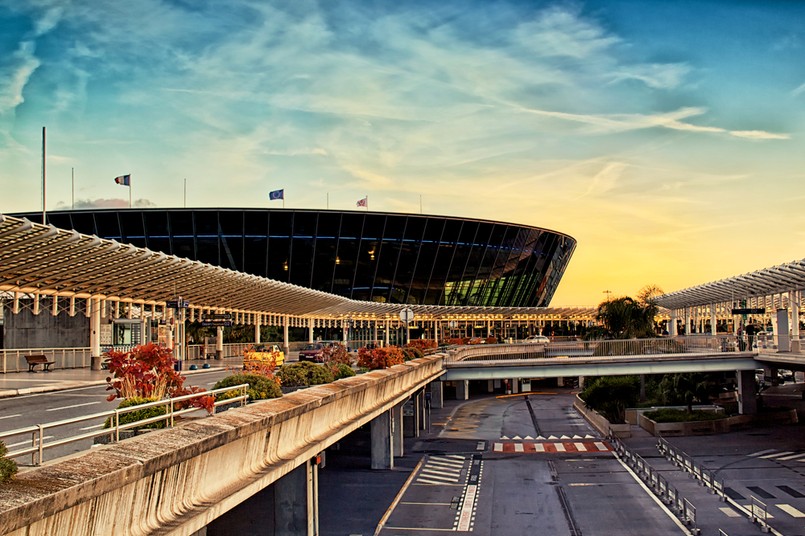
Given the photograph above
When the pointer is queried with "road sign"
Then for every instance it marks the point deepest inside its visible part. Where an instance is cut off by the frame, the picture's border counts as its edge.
(407, 315)
(749, 311)
(214, 317)
(216, 323)
(177, 304)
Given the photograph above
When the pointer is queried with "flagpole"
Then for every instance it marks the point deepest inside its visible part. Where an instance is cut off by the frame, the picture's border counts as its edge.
(72, 189)
(420, 203)
(129, 192)
(44, 180)
(185, 193)
(328, 200)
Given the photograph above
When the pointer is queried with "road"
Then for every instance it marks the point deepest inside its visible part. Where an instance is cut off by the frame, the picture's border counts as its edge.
(23, 411)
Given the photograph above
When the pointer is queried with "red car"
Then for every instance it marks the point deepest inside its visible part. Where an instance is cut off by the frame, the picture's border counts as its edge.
(312, 352)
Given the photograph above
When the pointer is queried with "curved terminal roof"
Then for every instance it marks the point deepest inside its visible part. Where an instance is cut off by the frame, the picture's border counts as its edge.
(765, 282)
(44, 260)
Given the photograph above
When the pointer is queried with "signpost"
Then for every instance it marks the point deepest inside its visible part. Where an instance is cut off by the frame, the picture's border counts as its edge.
(407, 316)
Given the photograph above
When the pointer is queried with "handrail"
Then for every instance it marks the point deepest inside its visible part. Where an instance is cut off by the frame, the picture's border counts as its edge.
(38, 437)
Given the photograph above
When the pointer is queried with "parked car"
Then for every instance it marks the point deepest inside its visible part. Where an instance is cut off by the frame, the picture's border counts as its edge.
(263, 355)
(538, 339)
(312, 352)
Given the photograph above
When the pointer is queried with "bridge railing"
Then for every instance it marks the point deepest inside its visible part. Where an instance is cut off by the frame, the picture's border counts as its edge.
(39, 441)
(597, 348)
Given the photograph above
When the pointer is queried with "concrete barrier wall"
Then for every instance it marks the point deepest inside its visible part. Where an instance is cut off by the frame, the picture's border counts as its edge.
(176, 481)
(600, 423)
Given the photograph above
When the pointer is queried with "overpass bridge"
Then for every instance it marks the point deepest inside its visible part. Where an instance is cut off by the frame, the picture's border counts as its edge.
(180, 480)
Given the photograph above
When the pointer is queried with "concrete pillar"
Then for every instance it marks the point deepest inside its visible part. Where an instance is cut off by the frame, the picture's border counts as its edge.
(560, 381)
(793, 299)
(672, 327)
(437, 394)
(436, 325)
(286, 320)
(387, 332)
(257, 329)
(219, 342)
(713, 321)
(490, 386)
(171, 318)
(783, 337)
(382, 442)
(462, 390)
(515, 386)
(581, 382)
(310, 330)
(296, 508)
(397, 441)
(95, 333)
(345, 332)
(374, 332)
(747, 401)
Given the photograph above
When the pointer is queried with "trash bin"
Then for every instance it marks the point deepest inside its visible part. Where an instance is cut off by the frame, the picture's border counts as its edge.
(96, 362)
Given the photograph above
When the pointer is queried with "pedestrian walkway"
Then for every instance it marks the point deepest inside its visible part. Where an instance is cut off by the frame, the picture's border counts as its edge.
(27, 383)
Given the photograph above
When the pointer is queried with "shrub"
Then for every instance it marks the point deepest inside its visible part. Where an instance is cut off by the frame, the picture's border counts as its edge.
(303, 373)
(380, 358)
(260, 387)
(679, 415)
(422, 344)
(341, 370)
(411, 352)
(611, 395)
(8, 467)
(144, 372)
(336, 354)
(140, 414)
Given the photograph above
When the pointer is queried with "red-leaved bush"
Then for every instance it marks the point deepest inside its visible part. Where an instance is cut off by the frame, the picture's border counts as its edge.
(422, 344)
(379, 358)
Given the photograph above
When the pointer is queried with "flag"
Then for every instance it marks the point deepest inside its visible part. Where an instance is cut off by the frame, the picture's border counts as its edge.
(363, 202)
(125, 180)
(276, 194)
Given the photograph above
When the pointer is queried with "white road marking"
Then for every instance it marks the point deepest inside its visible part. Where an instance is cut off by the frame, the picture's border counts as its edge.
(776, 455)
(580, 447)
(758, 453)
(465, 516)
(73, 406)
(729, 512)
(425, 481)
(481, 445)
(498, 447)
(92, 427)
(442, 473)
(27, 443)
(560, 447)
(518, 447)
(794, 457)
(790, 510)
(539, 447)
(11, 416)
(600, 445)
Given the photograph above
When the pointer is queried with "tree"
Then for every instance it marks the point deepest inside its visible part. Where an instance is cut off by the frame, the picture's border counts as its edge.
(611, 395)
(686, 389)
(627, 318)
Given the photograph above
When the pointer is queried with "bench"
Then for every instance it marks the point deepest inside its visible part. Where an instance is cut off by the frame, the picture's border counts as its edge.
(34, 360)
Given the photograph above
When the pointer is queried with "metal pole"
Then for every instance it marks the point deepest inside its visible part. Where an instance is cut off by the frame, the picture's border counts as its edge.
(72, 189)
(44, 179)
(185, 193)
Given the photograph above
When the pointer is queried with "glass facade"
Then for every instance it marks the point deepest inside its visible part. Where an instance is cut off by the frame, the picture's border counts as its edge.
(382, 257)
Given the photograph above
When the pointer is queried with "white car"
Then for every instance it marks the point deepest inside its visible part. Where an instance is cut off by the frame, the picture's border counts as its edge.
(539, 339)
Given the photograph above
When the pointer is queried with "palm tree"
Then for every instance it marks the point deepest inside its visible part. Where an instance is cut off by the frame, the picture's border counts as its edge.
(627, 318)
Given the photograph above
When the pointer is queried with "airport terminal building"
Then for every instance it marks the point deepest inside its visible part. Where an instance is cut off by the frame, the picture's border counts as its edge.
(367, 256)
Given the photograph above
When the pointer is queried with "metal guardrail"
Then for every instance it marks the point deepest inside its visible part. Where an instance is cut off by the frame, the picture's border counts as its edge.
(598, 348)
(174, 408)
(663, 489)
(687, 464)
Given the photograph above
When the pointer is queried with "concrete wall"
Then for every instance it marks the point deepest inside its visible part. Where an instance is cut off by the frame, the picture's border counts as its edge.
(600, 423)
(26, 330)
(177, 481)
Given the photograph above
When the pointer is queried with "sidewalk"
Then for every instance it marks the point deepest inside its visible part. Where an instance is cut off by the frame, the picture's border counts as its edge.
(27, 383)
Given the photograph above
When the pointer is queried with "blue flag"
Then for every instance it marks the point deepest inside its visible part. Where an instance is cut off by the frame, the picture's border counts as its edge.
(276, 194)
(125, 180)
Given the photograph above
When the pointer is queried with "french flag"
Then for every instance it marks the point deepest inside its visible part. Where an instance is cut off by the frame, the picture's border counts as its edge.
(125, 180)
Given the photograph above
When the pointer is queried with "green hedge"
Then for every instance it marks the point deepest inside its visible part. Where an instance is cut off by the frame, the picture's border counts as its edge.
(342, 370)
(303, 373)
(140, 414)
(260, 387)
(681, 415)
(8, 468)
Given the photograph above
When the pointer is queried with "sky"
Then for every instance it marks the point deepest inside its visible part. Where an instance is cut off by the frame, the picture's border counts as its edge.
(664, 136)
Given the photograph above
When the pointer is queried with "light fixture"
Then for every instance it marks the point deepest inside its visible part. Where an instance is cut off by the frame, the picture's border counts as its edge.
(337, 260)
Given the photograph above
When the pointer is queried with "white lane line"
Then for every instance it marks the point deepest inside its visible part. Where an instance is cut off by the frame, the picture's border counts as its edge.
(776, 455)
(498, 447)
(426, 482)
(790, 510)
(92, 427)
(729, 512)
(453, 456)
(600, 446)
(761, 452)
(73, 406)
(27, 443)
(10, 416)
(794, 457)
(518, 447)
(465, 516)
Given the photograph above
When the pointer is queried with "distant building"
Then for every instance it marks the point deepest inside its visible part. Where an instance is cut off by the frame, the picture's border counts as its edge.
(371, 256)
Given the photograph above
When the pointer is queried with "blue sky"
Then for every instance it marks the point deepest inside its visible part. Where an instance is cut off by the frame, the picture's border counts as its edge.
(665, 136)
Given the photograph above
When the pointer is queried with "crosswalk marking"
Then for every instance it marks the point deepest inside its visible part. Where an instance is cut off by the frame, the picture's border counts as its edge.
(790, 510)
(444, 470)
(776, 455)
(568, 447)
(761, 452)
(792, 457)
